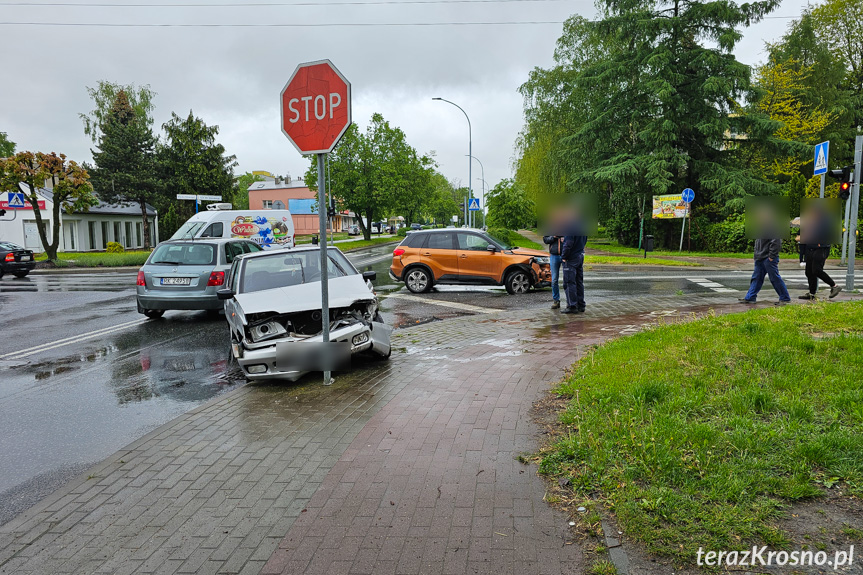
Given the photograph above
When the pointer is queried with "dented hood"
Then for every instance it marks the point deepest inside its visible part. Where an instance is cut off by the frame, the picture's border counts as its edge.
(344, 291)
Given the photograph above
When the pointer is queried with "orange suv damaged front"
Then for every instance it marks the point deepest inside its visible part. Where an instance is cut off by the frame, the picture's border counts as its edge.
(467, 257)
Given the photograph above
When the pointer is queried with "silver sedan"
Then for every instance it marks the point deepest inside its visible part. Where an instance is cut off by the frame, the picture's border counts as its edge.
(186, 274)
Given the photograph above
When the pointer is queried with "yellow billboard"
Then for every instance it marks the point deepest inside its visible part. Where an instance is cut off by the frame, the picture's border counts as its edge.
(669, 207)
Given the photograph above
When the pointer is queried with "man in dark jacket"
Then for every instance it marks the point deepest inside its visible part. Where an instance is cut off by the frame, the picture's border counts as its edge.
(766, 263)
(554, 244)
(572, 254)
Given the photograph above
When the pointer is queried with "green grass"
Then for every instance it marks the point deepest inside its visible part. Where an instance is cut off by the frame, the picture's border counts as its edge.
(637, 261)
(530, 244)
(616, 248)
(99, 259)
(360, 244)
(602, 567)
(330, 237)
(627, 261)
(700, 434)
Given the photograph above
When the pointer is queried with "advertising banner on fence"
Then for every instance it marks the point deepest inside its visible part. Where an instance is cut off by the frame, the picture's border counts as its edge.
(669, 207)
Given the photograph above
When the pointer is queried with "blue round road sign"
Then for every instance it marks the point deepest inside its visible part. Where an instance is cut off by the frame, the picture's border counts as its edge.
(688, 195)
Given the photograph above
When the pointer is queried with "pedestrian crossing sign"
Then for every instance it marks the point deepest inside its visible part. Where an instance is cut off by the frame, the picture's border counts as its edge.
(16, 200)
(822, 153)
(473, 205)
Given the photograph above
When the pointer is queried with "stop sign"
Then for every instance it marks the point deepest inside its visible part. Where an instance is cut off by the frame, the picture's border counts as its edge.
(316, 107)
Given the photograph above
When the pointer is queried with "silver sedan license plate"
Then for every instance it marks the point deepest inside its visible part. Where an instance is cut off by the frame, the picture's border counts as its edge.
(175, 281)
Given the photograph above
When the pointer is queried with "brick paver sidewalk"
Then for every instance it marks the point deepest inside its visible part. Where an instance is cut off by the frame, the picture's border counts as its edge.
(405, 467)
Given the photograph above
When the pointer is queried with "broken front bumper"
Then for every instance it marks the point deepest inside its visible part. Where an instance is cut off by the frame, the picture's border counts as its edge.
(261, 363)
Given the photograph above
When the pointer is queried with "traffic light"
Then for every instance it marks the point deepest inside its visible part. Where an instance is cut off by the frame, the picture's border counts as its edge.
(844, 176)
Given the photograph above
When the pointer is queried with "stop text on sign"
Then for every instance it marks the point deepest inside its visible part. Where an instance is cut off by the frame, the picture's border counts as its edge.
(319, 108)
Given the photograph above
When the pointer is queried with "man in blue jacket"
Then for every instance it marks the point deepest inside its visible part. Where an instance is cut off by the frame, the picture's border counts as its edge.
(572, 254)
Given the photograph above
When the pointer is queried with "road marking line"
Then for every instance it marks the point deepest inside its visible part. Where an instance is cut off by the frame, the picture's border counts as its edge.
(70, 340)
(455, 305)
(712, 285)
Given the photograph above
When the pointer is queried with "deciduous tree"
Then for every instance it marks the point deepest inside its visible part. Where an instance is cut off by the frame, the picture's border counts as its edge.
(372, 173)
(70, 188)
(7, 147)
(509, 207)
(104, 96)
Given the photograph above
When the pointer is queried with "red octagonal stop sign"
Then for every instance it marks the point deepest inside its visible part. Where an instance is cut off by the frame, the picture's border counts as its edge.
(316, 107)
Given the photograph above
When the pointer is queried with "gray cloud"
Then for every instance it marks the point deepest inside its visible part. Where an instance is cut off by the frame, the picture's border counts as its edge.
(232, 77)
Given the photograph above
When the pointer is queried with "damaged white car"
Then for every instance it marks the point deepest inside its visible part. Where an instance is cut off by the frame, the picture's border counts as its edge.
(273, 308)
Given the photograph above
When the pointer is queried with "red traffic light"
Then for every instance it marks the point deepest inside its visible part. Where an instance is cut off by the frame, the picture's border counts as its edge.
(844, 190)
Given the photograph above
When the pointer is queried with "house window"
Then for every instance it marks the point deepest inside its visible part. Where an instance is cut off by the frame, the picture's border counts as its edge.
(130, 239)
(268, 204)
(91, 231)
(105, 226)
(118, 232)
(140, 234)
(72, 232)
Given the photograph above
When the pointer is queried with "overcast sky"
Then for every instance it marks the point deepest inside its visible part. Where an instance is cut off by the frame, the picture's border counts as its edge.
(232, 76)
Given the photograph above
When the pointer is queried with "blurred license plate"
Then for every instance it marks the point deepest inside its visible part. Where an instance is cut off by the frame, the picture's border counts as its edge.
(25, 258)
(175, 281)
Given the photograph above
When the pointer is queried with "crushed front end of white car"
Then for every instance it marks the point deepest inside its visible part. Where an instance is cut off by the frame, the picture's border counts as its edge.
(277, 333)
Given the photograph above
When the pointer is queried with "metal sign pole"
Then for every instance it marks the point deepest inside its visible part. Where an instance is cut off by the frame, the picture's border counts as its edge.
(845, 232)
(855, 205)
(325, 288)
(683, 229)
(822, 186)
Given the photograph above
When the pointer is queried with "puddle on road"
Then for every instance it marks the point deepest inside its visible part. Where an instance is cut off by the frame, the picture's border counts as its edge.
(154, 360)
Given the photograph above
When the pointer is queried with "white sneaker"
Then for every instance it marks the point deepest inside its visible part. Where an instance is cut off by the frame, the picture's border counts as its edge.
(802, 264)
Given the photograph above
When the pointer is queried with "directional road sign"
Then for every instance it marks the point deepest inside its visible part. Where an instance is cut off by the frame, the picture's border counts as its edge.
(473, 205)
(688, 195)
(822, 154)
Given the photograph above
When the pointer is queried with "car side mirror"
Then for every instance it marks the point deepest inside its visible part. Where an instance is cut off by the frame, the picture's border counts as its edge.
(370, 275)
(491, 248)
(225, 293)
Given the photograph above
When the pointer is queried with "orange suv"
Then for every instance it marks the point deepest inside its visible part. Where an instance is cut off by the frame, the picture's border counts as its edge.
(450, 256)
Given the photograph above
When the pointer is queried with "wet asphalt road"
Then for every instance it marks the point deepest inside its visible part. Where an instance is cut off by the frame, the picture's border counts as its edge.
(82, 373)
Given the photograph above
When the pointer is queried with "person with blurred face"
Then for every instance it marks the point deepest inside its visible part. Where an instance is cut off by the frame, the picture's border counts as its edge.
(766, 258)
(815, 227)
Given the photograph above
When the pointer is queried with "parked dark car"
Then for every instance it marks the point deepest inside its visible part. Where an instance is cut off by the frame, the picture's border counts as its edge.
(15, 260)
(416, 227)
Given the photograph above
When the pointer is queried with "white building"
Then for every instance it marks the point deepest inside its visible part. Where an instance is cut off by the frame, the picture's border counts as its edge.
(80, 231)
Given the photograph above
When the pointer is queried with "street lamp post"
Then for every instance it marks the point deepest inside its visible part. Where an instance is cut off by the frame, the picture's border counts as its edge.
(484, 190)
(483, 180)
(469, 152)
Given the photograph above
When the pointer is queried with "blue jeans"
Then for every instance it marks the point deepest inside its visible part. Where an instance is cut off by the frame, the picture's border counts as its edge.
(555, 262)
(771, 269)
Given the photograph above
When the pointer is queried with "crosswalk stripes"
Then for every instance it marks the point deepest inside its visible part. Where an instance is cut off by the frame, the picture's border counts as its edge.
(717, 287)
